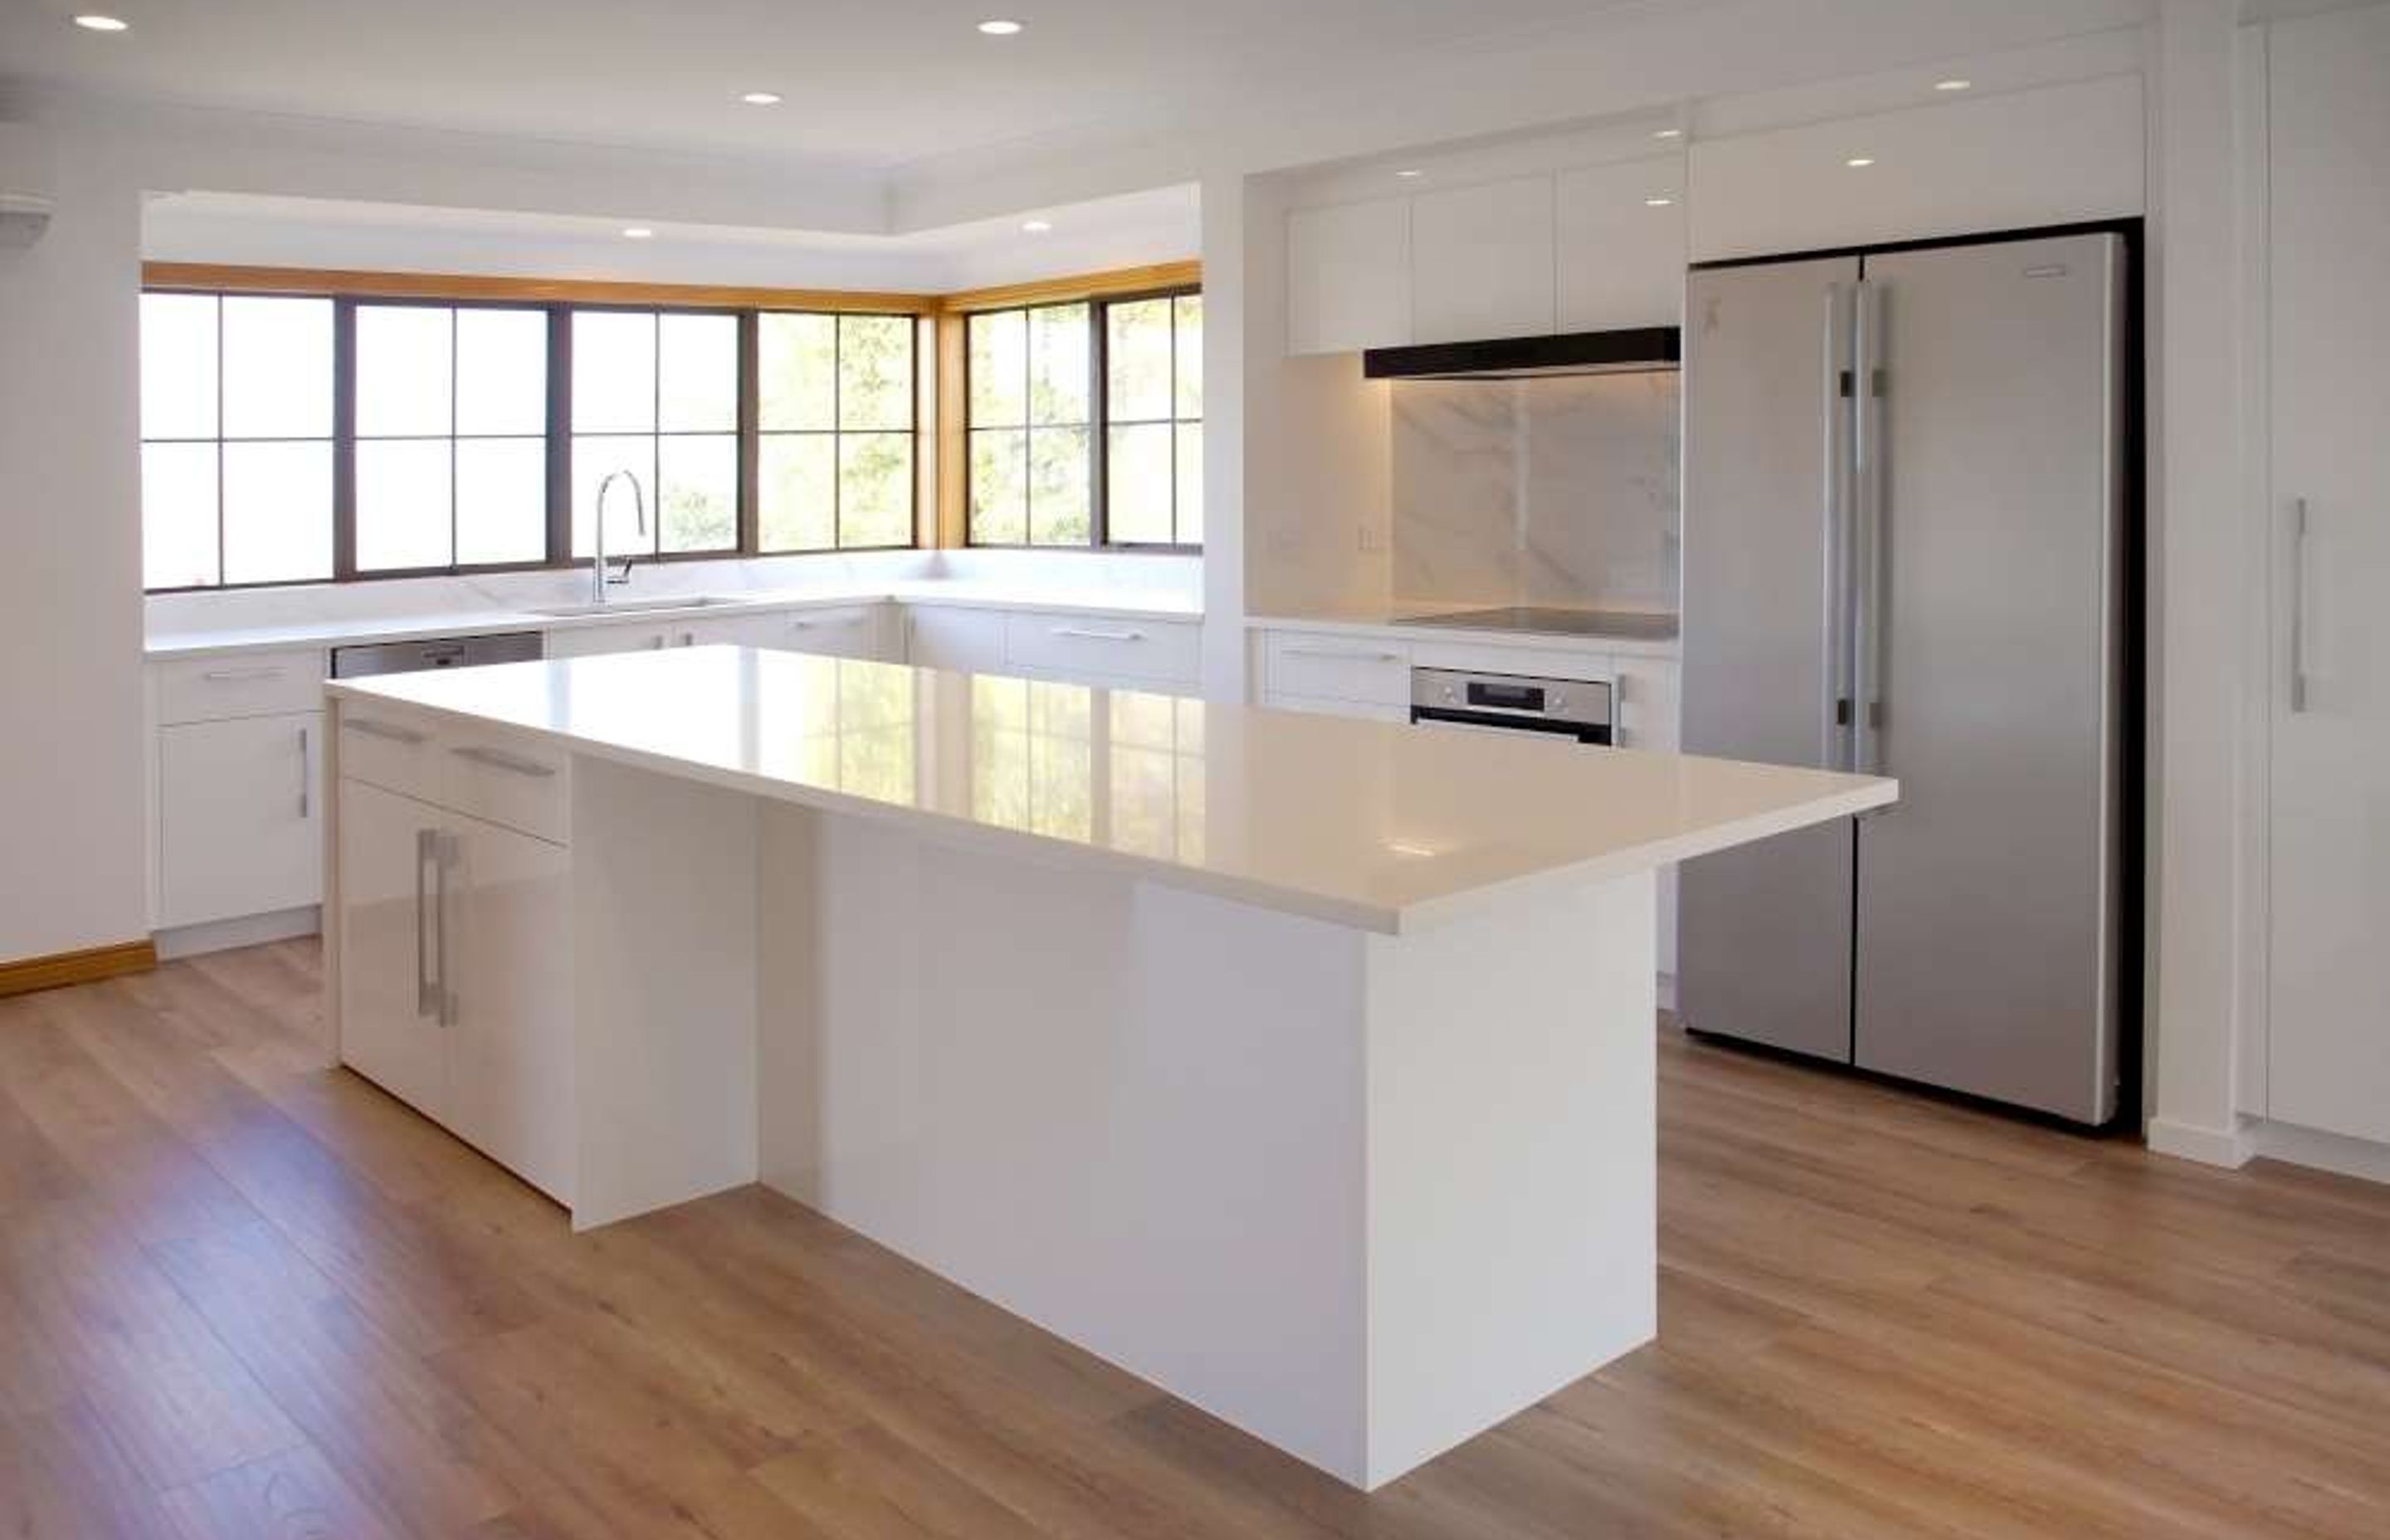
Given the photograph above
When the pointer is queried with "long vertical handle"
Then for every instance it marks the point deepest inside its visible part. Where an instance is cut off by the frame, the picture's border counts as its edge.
(1870, 628)
(425, 1000)
(2298, 604)
(1839, 365)
(306, 775)
(443, 860)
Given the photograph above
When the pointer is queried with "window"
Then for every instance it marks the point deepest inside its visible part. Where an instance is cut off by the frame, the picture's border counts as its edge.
(656, 393)
(1153, 417)
(236, 440)
(835, 414)
(1069, 401)
(451, 444)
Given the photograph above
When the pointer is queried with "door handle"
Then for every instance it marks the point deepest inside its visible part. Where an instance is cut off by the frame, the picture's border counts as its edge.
(444, 858)
(241, 675)
(426, 1000)
(1871, 633)
(306, 775)
(2298, 605)
(1089, 634)
(1345, 654)
(1840, 367)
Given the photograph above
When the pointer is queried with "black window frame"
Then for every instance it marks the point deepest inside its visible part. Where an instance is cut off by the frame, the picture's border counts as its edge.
(750, 415)
(1100, 424)
(558, 434)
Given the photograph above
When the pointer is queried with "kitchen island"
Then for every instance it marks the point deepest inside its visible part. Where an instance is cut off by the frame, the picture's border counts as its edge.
(1301, 1066)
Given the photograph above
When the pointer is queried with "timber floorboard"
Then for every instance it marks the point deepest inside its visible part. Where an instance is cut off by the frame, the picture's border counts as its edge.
(245, 1298)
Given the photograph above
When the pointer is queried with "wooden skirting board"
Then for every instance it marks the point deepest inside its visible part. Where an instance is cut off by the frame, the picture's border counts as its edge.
(77, 968)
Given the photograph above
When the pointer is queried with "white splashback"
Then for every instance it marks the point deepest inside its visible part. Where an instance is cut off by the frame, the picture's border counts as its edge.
(1556, 491)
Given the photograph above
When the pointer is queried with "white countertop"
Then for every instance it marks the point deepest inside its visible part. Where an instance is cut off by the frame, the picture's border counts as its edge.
(1393, 625)
(1126, 604)
(1365, 823)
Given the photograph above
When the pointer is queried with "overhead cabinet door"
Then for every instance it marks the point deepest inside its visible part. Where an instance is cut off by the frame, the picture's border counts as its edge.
(1348, 277)
(1482, 261)
(2329, 1024)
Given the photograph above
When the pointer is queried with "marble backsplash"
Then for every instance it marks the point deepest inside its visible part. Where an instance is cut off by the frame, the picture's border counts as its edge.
(1557, 491)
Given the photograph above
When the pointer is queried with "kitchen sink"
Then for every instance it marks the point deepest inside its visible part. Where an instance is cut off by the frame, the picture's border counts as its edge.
(631, 607)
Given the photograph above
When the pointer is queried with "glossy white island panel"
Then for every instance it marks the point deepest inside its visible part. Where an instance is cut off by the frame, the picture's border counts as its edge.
(1301, 1066)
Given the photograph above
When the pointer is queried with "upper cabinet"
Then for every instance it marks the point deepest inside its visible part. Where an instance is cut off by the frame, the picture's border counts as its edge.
(1581, 250)
(1482, 261)
(2053, 155)
(1621, 236)
(1348, 277)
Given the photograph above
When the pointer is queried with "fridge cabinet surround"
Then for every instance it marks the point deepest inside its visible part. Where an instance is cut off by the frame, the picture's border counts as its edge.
(1938, 434)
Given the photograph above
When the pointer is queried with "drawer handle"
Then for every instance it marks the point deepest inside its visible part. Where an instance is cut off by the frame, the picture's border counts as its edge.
(371, 728)
(1341, 654)
(498, 759)
(1089, 634)
(807, 625)
(243, 676)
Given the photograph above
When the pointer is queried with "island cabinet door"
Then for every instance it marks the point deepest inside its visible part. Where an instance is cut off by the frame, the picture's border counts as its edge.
(389, 944)
(510, 1012)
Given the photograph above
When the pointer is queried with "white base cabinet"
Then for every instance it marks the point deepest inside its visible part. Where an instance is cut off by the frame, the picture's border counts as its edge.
(455, 975)
(239, 816)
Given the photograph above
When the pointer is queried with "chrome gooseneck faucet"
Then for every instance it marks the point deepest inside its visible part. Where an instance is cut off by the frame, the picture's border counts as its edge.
(599, 577)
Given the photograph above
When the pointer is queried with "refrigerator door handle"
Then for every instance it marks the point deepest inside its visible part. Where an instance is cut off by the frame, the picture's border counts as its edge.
(2298, 605)
(1841, 364)
(1869, 639)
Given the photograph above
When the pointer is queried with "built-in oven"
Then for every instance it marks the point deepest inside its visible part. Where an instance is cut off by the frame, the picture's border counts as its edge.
(1512, 703)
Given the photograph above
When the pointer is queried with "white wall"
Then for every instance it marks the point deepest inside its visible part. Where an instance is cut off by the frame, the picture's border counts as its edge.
(72, 868)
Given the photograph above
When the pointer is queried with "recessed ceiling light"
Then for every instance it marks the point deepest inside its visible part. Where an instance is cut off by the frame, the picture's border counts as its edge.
(1952, 85)
(762, 99)
(636, 232)
(91, 21)
(999, 28)
(1408, 172)
(1667, 134)
(1857, 162)
(1657, 202)
(1037, 227)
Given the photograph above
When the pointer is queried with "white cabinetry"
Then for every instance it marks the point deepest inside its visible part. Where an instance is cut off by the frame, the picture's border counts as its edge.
(2054, 155)
(1482, 261)
(967, 640)
(842, 631)
(455, 949)
(1348, 278)
(239, 795)
(1103, 650)
(590, 641)
(1620, 255)
(2327, 1060)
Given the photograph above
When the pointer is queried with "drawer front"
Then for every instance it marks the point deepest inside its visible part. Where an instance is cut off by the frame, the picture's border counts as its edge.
(507, 780)
(1366, 710)
(1339, 668)
(257, 683)
(1075, 647)
(967, 640)
(842, 631)
(394, 749)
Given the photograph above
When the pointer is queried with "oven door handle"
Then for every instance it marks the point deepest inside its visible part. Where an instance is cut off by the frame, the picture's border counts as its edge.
(1584, 732)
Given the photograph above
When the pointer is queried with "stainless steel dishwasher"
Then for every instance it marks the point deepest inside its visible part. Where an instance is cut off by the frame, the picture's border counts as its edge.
(512, 646)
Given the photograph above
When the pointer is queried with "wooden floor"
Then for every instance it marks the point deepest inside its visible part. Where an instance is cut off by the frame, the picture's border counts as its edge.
(241, 1297)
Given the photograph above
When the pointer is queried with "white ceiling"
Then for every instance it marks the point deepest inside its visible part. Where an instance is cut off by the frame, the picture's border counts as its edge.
(870, 84)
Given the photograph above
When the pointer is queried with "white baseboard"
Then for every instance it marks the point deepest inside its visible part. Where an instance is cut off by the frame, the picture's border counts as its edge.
(221, 936)
(2230, 1148)
(2313, 1147)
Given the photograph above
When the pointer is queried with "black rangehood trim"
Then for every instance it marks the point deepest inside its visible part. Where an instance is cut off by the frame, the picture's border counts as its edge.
(1572, 353)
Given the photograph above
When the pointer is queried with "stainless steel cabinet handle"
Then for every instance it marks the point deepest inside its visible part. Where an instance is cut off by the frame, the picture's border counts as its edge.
(1089, 634)
(1348, 654)
(498, 759)
(444, 859)
(242, 675)
(306, 775)
(2298, 604)
(426, 850)
(371, 728)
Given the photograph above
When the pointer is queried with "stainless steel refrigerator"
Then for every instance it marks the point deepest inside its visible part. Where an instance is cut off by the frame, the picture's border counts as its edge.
(1903, 519)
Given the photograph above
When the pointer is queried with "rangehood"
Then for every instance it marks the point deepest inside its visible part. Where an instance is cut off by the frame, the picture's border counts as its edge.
(1629, 351)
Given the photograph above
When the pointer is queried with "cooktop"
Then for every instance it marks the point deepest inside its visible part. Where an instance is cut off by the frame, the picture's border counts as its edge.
(1627, 624)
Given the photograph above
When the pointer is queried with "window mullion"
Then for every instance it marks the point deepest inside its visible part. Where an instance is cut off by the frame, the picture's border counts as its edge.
(1099, 502)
